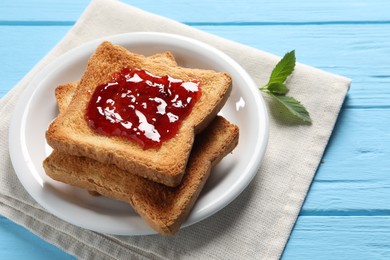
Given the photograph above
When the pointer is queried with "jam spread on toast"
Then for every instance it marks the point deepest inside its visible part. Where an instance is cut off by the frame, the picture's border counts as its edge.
(143, 107)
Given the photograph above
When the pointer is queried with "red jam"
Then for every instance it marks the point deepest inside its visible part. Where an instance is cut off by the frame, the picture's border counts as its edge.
(141, 106)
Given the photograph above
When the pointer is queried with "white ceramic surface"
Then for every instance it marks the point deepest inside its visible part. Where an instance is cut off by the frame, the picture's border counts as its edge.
(37, 108)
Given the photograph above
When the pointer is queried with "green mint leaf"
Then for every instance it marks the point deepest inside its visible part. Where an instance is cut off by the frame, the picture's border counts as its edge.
(283, 69)
(294, 106)
(277, 88)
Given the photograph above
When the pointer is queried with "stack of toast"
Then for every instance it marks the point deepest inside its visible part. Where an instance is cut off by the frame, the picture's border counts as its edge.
(161, 183)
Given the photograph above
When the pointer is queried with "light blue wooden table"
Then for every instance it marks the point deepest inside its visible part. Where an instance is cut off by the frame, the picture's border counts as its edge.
(347, 212)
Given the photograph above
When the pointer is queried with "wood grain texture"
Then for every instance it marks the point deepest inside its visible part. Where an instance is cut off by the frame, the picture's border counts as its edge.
(346, 214)
(336, 237)
(339, 52)
(353, 178)
(17, 243)
(21, 47)
(217, 11)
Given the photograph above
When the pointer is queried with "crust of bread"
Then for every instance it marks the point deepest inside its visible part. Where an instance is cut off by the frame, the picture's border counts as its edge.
(69, 132)
(164, 208)
(64, 93)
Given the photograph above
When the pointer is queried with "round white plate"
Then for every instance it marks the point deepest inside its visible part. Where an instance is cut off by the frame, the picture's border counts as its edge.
(37, 108)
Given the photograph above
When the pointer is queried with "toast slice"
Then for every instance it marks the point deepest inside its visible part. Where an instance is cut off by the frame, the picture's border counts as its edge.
(70, 133)
(64, 93)
(164, 208)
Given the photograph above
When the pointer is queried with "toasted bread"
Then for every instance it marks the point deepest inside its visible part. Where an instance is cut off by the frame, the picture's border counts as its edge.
(164, 208)
(64, 93)
(69, 132)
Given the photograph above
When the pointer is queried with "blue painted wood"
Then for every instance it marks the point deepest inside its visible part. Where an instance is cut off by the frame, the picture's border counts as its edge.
(340, 51)
(353, 178)
(346, 214)
(17, 243)
(21, 47)
(347, 58)
(217, 11)
(339, 237)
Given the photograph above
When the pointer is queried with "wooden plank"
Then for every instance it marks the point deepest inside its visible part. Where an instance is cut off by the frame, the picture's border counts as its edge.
(18, 243)
(217, 11)
(333, 48)
(339, 238)
(21, 48)
(328, 47)
(354, 177)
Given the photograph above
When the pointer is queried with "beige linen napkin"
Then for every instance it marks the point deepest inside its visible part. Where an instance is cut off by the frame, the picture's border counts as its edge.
(258, 223)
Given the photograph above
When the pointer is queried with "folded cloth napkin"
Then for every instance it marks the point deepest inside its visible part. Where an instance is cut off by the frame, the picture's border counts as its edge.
(258, 223)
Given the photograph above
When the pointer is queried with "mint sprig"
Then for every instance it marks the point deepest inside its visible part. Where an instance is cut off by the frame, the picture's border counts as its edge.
(277, 89)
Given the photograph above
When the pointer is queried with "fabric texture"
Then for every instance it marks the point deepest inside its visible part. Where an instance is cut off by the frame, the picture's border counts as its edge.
(255, 225)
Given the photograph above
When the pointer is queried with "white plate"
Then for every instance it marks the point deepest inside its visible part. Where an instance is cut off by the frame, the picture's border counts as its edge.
(37, 108)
